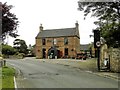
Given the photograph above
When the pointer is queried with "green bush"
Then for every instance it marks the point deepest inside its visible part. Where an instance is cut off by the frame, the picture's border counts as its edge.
(8, 50)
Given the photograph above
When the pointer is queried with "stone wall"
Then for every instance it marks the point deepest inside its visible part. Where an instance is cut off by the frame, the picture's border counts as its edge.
(114, 59)
(113, 55)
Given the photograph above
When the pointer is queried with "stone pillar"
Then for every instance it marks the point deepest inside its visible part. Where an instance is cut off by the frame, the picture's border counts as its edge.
(103, 54)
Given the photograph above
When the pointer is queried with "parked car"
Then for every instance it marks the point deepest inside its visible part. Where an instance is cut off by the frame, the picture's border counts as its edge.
(81, 56)
(84, 56)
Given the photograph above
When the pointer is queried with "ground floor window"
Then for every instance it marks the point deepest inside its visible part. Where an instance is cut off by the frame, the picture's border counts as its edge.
(66, 51)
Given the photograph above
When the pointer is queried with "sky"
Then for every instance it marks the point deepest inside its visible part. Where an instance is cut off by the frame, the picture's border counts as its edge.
(52, 14)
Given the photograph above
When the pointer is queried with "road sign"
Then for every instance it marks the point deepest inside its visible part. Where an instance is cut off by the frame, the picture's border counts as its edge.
(98, 44)
(96, 37)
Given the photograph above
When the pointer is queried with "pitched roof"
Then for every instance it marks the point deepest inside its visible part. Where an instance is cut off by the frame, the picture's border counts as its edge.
(58, 32)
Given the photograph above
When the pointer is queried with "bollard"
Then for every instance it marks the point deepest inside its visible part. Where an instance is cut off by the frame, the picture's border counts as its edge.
(4, 62)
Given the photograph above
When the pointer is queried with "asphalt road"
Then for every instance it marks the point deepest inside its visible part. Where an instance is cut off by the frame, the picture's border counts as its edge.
(36, 74)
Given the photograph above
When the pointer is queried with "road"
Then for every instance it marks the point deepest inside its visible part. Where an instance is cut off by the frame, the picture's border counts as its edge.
(36, 74)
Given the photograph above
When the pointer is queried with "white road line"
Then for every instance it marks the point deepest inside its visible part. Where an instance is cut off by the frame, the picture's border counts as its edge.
(15, 84)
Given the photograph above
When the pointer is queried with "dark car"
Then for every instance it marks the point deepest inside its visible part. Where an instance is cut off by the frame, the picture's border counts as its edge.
(81, 56)
(84, 56)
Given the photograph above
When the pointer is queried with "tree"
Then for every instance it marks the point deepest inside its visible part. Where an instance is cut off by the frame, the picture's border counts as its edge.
(108, 14)
(9, 21)
(8, 50)
(20, 45)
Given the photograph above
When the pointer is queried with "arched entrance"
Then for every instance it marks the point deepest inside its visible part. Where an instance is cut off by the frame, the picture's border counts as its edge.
(53, 52)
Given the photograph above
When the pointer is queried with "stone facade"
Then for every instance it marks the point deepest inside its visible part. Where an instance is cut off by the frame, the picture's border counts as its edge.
(56, 44)
(114, 59)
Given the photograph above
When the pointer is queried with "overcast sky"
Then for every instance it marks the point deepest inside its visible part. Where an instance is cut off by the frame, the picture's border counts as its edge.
(52, 14)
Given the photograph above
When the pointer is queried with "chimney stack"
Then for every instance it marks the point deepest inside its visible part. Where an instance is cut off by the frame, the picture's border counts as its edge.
(41, 28)
(77, 29)
(77, 25)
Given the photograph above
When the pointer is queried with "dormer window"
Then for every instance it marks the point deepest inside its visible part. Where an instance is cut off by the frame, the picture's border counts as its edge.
(65, 40)
(43, 41)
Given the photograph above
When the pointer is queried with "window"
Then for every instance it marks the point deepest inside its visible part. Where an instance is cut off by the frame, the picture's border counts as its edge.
(43, 41)
(66, 51)
(65, 40)
(55, 41)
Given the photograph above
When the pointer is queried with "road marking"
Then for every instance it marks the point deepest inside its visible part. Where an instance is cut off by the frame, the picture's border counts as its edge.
(15, 84)
(24, 78)
(89, 71)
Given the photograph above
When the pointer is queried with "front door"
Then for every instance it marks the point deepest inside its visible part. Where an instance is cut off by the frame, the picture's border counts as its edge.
(44, 53)
(66, 51)
(59, 53)
(52, 52)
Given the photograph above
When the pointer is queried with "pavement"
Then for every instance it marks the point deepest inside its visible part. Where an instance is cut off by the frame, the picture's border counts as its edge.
(86, 65)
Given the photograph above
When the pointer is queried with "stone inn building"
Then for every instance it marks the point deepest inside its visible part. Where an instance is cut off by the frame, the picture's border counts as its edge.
(58, 43)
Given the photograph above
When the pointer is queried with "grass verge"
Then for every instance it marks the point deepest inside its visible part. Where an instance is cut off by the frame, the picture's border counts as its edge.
(0, 78)
(8, 77)
(90, 65)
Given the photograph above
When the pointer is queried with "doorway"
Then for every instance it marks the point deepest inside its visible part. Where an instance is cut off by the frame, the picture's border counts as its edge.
(52, 52)
(44, 53)
(66, 51)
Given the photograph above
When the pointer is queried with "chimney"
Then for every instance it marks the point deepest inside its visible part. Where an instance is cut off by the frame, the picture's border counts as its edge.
(41, 28)
(77, 29)
(77, 25)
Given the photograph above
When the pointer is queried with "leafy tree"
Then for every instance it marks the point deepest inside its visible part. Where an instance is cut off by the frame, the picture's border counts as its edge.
(9, 21)
(20, 45)
(108, 14)
(8, 50)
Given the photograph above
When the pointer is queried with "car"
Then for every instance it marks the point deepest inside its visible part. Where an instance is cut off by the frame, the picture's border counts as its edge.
(81, 56)
(84, 56)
